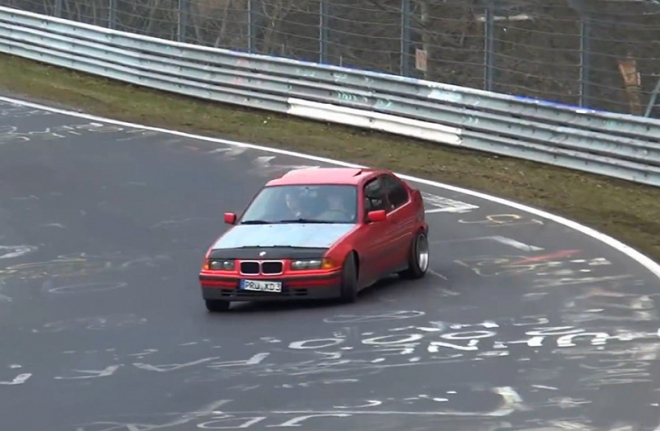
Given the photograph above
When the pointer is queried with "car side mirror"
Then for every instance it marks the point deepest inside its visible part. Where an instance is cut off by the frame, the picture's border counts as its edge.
(230, 218)
(377, 216)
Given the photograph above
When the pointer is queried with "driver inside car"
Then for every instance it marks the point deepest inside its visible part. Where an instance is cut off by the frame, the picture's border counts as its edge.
(293, 205)
(336, 210)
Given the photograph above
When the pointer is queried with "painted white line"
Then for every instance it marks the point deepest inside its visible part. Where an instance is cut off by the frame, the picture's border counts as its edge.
(501, 239)
(550, 388)
(516, 244)
(18, 380)
(440, 204)
(14, 251)
(643, 260)
(437, 274)
(442, 290)
(264, 163)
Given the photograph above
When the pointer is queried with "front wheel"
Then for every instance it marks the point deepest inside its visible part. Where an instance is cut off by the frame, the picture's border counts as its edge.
(418, 259)
(348, 289)
(214, 305)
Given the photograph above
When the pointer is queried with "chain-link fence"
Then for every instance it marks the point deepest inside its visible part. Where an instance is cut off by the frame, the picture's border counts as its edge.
(603, 54)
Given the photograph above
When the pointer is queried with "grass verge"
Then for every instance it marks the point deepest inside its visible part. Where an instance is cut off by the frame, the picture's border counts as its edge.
(626, 211)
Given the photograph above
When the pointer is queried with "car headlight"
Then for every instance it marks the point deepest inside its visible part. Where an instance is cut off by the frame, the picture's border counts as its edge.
(220, 265)
(312, 264)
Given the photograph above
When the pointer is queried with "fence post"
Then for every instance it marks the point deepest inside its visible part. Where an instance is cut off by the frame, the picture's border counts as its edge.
(253, 19)
(404, 68)
(58, 9)
(585, 59)
(112, 14)
(489, 43)
(324, 11)
(182, 22)
(653, 100)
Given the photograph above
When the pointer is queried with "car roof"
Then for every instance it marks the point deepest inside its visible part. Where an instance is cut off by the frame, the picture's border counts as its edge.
(344, 176)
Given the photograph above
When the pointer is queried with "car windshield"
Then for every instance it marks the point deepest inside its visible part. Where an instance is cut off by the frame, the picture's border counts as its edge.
(303, 204)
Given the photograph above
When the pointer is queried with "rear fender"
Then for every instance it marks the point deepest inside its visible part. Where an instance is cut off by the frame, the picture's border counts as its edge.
(418, 201)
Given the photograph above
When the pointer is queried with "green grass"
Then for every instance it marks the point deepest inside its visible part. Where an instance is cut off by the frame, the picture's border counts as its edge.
(626, 211)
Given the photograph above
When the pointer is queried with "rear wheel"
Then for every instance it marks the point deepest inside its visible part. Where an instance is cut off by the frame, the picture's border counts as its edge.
(214, 305)
(418, 259)
(348, 289)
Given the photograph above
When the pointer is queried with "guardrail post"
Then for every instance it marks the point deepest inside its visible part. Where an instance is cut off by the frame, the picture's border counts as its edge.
(585, 59)
(112, 14)
(489, 44)
(324, 15)
(182, 21)
(404, 68)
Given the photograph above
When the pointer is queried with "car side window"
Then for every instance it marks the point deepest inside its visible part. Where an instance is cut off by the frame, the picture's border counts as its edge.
(395, 191)
(374, 197)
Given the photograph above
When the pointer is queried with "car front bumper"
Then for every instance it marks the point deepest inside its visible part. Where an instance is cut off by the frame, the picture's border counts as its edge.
(293, 288)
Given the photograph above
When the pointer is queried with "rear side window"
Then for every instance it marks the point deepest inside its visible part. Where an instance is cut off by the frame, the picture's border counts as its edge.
(374, 196)
(395, 190)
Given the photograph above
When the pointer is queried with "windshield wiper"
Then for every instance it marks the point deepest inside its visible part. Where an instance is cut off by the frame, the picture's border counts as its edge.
(271, 246)
(304, 220)
(256, 222)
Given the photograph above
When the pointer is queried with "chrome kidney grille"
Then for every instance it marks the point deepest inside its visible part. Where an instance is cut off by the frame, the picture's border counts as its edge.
(250, 268)
(269, 267)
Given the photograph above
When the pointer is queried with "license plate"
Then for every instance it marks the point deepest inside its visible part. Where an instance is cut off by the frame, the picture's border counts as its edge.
(261, 286)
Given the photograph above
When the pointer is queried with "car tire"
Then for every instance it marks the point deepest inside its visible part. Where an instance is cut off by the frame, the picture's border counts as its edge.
(418, 257)
(216, 306)
(348, 291)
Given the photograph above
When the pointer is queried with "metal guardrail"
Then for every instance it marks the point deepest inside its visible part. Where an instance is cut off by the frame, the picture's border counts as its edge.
(621, 146)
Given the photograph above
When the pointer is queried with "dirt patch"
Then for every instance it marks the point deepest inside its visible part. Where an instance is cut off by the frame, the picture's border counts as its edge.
(626, 211)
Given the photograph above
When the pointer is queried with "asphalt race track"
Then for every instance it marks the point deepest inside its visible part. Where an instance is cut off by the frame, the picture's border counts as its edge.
(523, 324)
